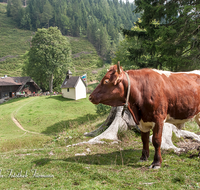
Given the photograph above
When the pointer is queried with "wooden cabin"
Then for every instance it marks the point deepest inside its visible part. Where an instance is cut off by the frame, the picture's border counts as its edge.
(12, 86)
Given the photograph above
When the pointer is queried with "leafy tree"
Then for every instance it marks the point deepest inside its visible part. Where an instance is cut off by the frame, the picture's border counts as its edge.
(171, 36)
(48, 58)
(122, 54)
(102, 109)
(26, 20)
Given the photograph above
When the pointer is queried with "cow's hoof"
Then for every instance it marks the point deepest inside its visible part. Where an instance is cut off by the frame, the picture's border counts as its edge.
(152, 166)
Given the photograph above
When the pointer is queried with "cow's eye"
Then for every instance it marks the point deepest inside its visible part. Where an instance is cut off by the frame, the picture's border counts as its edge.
(106, 81)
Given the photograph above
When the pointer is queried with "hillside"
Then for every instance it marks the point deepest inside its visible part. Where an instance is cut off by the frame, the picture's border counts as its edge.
(15, 42)
(98, 20)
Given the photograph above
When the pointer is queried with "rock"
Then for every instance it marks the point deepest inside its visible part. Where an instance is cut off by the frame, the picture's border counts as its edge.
(88, 150)
(80, 154)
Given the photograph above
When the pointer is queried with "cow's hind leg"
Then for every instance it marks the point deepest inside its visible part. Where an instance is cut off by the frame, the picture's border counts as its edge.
(145, 150)
(157, 138)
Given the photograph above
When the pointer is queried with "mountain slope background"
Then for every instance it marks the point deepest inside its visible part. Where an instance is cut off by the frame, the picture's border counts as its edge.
(93, 28)
(100, 21)
(15, 42)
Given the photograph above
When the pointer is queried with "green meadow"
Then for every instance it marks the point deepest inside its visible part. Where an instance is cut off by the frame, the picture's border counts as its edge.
(42, 156)
(44, 159)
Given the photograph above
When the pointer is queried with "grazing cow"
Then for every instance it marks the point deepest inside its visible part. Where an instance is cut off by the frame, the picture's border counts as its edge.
(155, 97)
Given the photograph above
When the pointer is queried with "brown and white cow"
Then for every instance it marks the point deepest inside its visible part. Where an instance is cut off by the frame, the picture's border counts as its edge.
(155, 96)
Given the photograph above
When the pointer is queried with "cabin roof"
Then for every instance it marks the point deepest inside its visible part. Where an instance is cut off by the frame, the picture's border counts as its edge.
(71, 82)
(17, 81)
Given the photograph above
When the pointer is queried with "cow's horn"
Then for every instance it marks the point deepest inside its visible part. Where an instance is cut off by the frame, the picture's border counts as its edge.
(118, 67)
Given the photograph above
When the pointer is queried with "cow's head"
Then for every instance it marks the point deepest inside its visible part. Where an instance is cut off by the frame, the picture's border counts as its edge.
(110, 91)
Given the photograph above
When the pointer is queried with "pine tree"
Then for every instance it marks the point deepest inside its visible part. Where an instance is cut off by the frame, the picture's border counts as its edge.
(16, 10)
(9, 8)
(171, 36)
(47, 13)
(78, 18)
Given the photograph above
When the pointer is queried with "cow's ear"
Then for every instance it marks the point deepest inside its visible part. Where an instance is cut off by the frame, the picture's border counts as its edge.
(118, 80)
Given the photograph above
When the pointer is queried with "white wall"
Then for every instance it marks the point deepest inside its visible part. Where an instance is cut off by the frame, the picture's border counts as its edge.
(70, 94)
(76, 93)
(80, 90)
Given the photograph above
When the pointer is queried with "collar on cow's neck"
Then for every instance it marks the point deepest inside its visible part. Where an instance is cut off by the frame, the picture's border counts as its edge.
(128, 94)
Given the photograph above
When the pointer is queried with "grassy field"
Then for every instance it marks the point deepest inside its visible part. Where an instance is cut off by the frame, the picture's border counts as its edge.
(43, 160)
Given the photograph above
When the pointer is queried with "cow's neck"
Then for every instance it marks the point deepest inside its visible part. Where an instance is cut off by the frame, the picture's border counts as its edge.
(132, 104)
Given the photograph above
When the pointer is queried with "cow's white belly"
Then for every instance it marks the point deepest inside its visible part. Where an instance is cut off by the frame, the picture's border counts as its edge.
(177, 122)
(146, 126)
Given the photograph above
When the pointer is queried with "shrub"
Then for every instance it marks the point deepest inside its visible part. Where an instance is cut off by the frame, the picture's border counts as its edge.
(102, 109)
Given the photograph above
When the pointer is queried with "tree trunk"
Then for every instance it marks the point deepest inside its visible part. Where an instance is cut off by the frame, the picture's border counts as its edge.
(115, 123)
(167, 143)
(51, 83)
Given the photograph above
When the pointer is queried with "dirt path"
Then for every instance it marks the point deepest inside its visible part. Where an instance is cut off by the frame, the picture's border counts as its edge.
(17, 122)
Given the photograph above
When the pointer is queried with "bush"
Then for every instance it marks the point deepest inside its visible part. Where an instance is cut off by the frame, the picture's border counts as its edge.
(102, 109)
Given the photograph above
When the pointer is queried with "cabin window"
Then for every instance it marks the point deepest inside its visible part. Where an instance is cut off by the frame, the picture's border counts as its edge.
(68, 90)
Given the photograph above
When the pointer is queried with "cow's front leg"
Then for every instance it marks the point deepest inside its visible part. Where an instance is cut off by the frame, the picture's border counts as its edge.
(157, 138)
(145, 150)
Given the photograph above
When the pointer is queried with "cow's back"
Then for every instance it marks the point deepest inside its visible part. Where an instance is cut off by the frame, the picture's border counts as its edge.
(176, 93)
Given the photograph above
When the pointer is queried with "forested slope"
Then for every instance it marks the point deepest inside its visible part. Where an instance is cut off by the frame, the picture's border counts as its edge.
(99, 20)
(15, 42)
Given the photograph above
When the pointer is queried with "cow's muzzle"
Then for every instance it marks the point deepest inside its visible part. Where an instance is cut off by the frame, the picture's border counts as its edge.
(92, 99)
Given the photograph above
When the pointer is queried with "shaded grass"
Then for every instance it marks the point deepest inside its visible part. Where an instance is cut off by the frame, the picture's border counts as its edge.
(192, 126)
